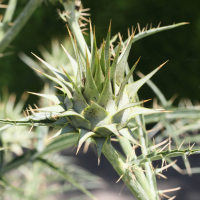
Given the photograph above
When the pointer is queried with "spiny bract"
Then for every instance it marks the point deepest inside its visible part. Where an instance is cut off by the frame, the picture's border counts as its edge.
(99, 100)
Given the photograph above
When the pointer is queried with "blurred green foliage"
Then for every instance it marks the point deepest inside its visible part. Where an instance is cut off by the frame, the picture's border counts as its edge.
(181, 45)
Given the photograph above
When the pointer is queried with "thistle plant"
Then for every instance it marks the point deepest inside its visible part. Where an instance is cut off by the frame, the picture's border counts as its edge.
(99, 101)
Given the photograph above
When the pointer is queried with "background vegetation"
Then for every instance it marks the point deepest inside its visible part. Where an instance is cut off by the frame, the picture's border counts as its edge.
(180, 46)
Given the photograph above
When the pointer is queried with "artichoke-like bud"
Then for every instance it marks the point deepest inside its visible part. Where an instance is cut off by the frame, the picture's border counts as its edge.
(97, 101)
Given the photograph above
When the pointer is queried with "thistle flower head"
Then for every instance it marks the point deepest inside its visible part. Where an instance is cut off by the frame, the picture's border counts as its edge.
(97, 101)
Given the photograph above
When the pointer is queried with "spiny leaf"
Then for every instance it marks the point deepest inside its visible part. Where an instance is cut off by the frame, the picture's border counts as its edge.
(117, 117)
(121, 90)
(151, 31)
(175, 114)
(64, 87)
(73, 62)
(93, 60)
(55, 108)
(113, 69)
(155, 89)
(103, 61)
(106, 99)
(74, 26)
(122, 62)
(162, 155)
(107, 50)
(67, 128)
(99, 143)
(96, 115)
(57, 99)
(79, 58)
(60, 122)
(107, 130)
(84, 135)
(41, 116)
(91, 38)
(132, 112)
(68, 103)
(71, 37)
(99, 77)
(91, 92)
(78, 120)
(81, 68)
(127, 71)
(113, 39)
(132, 88)
(155, 30)
(79, 102)
(58, 74)
(141, 110)
(69, 113)
(125, 133)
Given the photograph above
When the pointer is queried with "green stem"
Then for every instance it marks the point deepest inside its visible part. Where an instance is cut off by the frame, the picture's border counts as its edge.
(122, 169)
(149, 172)
(138, 172)
(127, 148)
(19, 23)
(151, 188)
(74, 27)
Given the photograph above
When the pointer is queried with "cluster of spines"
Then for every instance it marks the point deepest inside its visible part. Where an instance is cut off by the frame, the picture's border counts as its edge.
(159, 154)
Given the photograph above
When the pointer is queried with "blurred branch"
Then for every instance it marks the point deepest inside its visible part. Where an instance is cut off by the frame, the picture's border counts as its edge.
(10, 11)
(19, 23)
